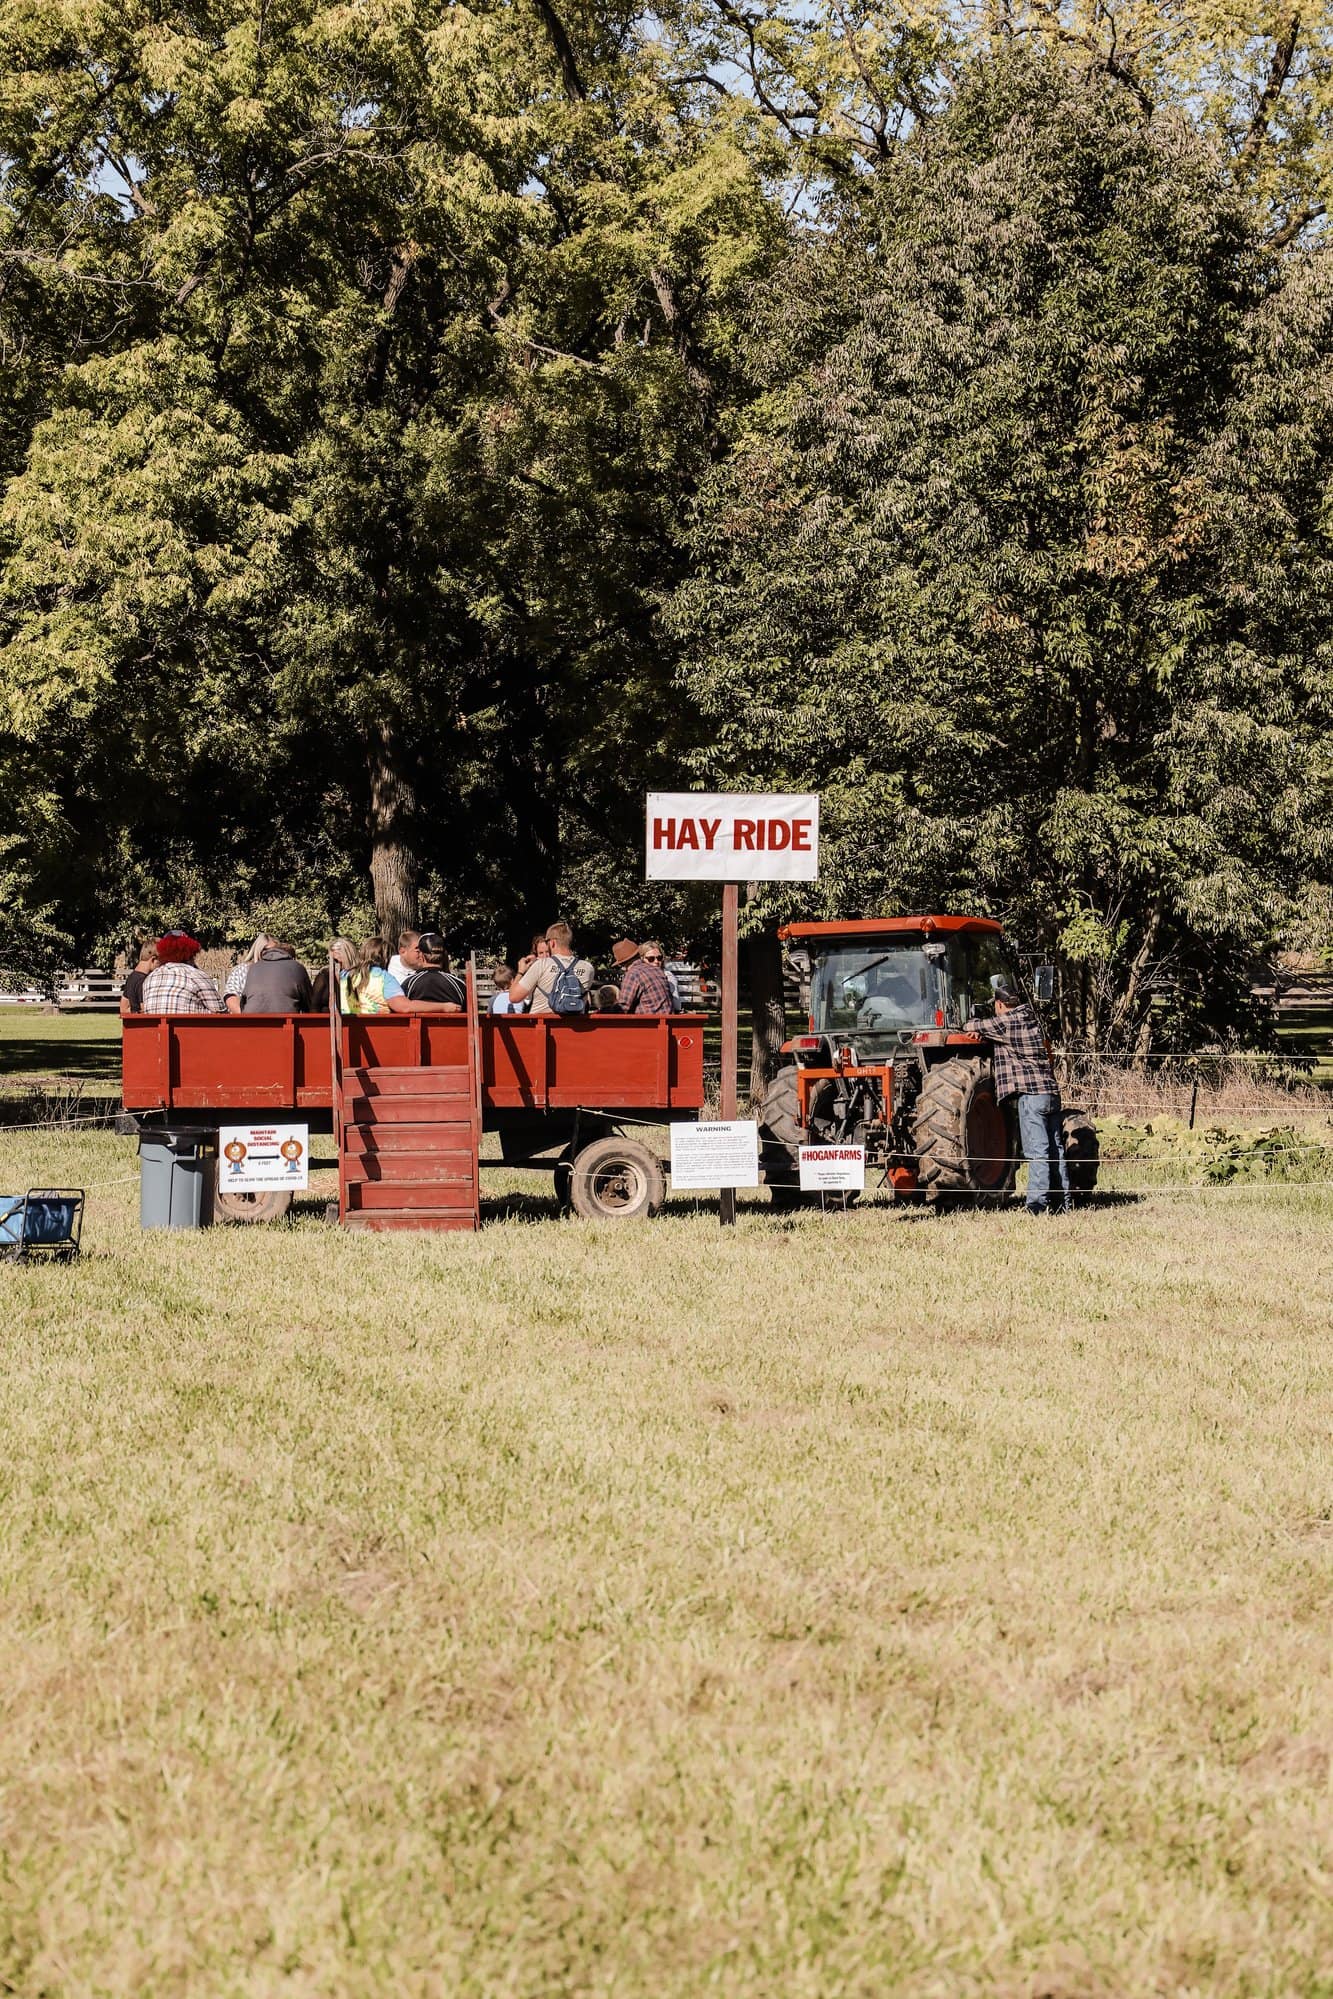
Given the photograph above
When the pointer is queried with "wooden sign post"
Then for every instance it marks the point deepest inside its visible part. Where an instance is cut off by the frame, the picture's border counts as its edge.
(731, 837)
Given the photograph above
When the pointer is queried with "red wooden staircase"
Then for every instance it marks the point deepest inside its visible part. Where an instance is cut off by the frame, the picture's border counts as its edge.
(408, 1138)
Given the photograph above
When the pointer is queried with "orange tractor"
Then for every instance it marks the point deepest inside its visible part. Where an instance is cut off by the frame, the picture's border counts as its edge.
(886, 1063)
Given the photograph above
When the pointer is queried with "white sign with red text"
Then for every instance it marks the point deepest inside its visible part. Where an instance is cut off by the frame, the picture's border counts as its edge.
(833, 1169)
(733, 836)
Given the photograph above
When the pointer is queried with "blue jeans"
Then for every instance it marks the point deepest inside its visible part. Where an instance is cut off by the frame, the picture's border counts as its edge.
(1042, 1136)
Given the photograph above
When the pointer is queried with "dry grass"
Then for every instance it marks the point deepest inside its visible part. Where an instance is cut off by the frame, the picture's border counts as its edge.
(872, 1606)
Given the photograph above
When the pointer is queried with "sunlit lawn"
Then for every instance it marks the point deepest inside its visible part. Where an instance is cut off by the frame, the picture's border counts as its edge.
(865, 1605)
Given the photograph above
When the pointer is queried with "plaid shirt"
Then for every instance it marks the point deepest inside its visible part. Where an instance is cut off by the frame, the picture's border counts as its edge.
(1022, 1066)
(645, 989)
(180, 989)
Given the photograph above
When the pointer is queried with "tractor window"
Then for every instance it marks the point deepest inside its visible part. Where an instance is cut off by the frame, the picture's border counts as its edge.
(870, 991)
(972, 961)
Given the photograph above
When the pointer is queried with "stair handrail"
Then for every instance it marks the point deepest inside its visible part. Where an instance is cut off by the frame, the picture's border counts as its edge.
(336, 1069)
(474, 1039)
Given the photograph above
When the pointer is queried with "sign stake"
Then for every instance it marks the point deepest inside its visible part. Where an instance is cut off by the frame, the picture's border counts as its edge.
(726, 1196)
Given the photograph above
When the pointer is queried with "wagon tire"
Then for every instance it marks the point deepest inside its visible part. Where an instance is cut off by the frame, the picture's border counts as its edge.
(563, 1180)
(1083, 1154)
(248, 1208)
(617, 1180)
(964, 1146)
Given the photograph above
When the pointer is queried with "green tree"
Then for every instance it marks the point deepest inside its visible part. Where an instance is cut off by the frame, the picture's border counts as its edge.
(1022, 555)
(355, 516)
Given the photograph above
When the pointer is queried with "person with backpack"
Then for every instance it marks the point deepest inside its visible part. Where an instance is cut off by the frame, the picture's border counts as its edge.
(558, 984)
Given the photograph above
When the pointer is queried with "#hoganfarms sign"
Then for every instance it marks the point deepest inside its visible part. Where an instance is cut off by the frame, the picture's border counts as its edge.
(732, 836)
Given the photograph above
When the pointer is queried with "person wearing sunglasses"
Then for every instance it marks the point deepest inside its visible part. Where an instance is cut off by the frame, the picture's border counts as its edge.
(644, 988)
(653, 954)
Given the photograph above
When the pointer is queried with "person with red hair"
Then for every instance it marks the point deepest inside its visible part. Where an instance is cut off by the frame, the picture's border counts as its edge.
(177, 985)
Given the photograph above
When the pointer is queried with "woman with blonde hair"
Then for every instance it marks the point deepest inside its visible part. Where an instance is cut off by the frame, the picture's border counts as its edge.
(233, 993)
(369, 987)
(343, 953)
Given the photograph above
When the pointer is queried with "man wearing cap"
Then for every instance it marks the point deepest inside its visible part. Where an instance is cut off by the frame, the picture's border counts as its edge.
(434, 984)
(176, 985)
(644, 988)
(1023, 1071)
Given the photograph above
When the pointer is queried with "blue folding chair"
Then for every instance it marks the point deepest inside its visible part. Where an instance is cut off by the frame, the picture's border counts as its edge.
(45, 1224)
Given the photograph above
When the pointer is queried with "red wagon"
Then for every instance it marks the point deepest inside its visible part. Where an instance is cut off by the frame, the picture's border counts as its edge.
(408, 1096)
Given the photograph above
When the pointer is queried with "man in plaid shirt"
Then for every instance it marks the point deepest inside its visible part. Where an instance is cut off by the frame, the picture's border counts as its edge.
(177, 985)
(1023, 1071)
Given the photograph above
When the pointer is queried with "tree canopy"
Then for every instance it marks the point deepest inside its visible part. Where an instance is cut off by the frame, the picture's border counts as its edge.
(422, 431)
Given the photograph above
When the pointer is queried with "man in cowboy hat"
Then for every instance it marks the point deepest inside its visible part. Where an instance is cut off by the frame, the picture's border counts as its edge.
(644, 988)
(177, 985)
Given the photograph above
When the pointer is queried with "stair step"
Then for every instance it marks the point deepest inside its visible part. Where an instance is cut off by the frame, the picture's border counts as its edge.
(407, 1110)
(382, 1220)
(412, 1169)
(449, 1082)
(363, 1195)
(382, 1140)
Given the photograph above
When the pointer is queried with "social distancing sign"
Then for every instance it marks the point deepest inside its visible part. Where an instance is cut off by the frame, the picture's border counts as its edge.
(263, 1158)
(732, 836)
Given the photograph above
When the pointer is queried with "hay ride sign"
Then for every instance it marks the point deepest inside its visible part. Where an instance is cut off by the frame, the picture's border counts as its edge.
(732, 836)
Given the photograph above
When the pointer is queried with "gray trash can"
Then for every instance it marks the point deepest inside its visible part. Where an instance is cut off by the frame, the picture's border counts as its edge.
(175, 1181)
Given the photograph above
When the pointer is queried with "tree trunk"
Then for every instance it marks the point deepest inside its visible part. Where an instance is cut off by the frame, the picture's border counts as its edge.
(393, 858)
(768, 1014)
(534, 864)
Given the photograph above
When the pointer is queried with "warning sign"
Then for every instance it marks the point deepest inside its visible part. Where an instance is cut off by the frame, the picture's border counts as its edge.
(722, 1154)
(833, 1169)
(263, 1158)
(732, 836)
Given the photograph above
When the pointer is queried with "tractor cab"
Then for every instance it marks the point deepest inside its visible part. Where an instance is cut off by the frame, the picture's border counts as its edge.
(876, 986)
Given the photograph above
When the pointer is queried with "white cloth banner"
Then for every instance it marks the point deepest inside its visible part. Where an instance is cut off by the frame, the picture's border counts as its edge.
(721, 1154)
(732, 836)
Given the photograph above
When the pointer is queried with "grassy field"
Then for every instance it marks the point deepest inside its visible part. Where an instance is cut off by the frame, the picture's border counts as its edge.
(867, 1606)
(85, 1046)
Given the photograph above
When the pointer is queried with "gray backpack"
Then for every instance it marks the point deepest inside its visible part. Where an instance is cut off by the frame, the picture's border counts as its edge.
(567, 994)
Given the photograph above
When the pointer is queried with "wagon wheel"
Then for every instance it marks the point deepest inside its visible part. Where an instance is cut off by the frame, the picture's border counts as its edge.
(238, 1207)
(616, 1180)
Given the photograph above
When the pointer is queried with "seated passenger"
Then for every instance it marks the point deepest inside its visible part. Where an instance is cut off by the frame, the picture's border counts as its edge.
(434, 986)
(177, 985)
(559, 983)
(503, 976)
(405, 959)
(277, 982)
(233, 991)
(131, 992)
(653, 954)
(343, 953)
(369, 988)
(644, 988)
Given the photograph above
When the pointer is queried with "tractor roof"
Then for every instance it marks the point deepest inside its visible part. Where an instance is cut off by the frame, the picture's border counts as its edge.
(894, 926)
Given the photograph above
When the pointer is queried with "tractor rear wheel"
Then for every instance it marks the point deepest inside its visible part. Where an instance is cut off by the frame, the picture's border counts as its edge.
(780, 1139)
(1083, 1153)
(964, 1147)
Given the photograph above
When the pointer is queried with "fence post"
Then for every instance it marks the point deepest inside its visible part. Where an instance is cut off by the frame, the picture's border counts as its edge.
(1194, 1090)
